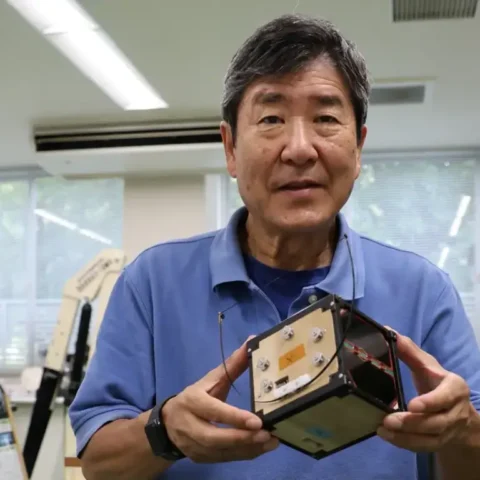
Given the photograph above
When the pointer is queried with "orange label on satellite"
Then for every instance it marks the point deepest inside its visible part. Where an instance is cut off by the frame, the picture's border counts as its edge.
(291, 356)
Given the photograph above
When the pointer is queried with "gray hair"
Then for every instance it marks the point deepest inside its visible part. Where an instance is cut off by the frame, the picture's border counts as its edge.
(286, 45)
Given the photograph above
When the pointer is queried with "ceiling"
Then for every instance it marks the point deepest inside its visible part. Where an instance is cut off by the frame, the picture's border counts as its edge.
(183, 48)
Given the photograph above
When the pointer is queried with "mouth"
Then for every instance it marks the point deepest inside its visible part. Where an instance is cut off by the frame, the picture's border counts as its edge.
(300, 185)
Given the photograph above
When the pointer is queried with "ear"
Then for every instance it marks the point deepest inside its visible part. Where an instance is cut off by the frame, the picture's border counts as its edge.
(227, 139)
(358, 165)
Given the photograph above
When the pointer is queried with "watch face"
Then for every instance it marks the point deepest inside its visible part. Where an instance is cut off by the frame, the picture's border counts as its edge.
(160, 443)
(157, 436)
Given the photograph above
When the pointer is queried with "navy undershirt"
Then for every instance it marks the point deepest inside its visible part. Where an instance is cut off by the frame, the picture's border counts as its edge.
(282, 286)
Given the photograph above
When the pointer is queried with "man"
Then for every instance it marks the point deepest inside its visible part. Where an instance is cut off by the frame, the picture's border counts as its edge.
(295, 105)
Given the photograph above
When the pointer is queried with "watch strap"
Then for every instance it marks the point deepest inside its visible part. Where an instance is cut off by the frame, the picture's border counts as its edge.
(157, 435)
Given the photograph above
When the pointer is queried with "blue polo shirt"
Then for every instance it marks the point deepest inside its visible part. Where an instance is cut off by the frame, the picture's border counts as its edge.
(160, 334)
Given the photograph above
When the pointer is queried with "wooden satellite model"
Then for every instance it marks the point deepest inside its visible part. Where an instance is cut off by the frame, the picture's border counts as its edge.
(324, 379)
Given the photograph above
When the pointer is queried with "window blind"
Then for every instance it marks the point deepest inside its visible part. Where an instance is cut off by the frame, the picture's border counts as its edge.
(49, 229)
(422, 205)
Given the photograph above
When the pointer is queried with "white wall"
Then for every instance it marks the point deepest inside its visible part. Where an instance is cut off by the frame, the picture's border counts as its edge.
(163, 208)
(155, 210)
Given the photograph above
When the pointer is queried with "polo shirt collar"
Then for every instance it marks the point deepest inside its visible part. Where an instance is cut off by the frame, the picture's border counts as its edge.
(226, 258)
(227, 265)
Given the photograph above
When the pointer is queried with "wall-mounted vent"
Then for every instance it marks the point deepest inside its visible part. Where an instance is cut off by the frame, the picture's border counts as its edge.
(397, 95)
(415, 10)
(166, 135)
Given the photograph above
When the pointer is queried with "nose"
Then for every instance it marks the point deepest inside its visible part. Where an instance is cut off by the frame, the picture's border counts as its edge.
(299, 147)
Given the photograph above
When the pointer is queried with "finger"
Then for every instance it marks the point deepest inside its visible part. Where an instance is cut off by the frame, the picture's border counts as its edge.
(213, 437)
(205, 442)
(446, 423)
(418, 423)
(411, 441)
(214, 410)
(208, 443)
(235, 365)
(416, 359)
(451, 391)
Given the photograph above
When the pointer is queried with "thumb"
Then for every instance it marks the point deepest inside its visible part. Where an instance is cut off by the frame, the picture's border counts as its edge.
(426, 370)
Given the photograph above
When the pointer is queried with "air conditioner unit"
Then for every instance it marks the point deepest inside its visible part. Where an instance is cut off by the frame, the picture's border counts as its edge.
(424, 10)
(166, 135)
(130, 149)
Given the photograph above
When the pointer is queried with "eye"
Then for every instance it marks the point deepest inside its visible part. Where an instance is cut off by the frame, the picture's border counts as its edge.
(270, 120)
(327, 119)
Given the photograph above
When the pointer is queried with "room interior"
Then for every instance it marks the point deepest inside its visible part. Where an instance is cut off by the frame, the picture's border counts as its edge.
(166, 161)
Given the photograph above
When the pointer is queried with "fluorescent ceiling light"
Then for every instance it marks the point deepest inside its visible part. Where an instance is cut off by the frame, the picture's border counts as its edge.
(461, 211)
(443, 257)
(72, 31)
(54, 16)
(464, 203)
(53, 218)
(95, 236)
(71, 226)
(376, 210)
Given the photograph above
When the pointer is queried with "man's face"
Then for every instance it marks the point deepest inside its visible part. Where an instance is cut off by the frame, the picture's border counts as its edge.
(296, 154)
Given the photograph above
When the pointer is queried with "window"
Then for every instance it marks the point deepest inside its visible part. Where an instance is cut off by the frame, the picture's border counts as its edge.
(421, 205)
(424, 204)
(49, 229)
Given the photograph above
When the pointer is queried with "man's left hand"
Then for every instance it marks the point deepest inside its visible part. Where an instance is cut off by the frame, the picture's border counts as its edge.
(442, 412)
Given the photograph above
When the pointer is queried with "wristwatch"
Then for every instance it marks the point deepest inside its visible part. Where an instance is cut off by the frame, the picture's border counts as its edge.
(157, 436)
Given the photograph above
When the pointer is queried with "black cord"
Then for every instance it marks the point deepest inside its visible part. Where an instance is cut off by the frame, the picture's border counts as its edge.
(221, 318)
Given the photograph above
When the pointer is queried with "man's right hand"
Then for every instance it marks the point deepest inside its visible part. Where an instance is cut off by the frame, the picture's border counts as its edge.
(190, 419)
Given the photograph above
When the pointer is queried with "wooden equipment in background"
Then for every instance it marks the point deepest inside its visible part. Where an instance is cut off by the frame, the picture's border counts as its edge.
(94, 282)
(12, 466)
